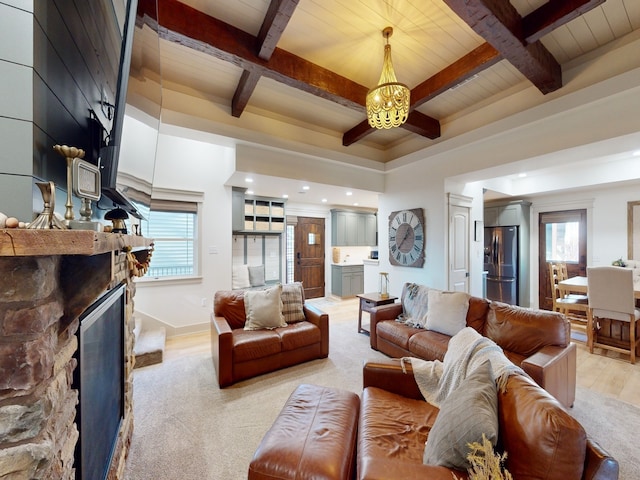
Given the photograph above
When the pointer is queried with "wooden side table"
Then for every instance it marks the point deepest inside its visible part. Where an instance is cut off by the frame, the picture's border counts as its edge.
(369, 301)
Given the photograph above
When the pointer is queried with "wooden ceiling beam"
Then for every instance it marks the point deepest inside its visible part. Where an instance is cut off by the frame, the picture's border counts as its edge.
(357, 133)
(500, 24)
(422, 125)
(274, 23)
(417, 122)
(462, 69)
(554, 14)
(187, 26)
(244, 90)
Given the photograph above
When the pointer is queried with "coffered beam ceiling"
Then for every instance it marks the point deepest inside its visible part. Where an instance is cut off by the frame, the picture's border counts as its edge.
(508, 36)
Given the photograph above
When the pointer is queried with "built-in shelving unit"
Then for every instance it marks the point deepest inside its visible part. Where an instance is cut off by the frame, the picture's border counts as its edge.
(257, 214)
(263, 215)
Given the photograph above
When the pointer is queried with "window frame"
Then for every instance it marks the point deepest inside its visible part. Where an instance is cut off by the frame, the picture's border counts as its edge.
(164, 202)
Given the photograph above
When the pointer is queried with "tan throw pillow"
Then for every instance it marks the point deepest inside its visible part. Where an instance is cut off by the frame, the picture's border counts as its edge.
(292, 302)
(468, 412)
(264, 308)
(447, 312)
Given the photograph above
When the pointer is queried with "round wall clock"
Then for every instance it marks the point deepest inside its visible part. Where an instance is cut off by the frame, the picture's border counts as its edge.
(406, 238)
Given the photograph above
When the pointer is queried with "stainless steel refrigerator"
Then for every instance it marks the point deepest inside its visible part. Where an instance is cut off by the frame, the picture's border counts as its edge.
(501, 263)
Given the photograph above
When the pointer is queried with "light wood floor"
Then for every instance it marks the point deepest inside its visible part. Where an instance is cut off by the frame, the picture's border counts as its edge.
(603, 371)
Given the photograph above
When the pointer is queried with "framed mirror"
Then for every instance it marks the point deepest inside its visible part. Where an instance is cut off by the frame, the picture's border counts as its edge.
(633, 230)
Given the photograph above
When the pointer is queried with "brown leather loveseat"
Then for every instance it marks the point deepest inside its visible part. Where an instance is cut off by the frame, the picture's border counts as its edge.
(541, 439)
(239, 354)
(538, 341)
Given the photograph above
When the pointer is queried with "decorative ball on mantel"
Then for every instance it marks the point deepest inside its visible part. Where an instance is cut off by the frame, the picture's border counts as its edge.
(10, 222)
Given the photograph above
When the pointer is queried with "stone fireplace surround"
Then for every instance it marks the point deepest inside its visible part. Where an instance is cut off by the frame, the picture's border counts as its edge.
(47, 279)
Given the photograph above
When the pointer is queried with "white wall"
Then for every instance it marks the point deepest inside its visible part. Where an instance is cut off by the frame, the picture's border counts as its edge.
(418, 185)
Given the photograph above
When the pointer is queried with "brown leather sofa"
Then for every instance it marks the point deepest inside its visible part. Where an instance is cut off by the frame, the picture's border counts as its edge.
(541, 439)
(538, 341)
(239, 354)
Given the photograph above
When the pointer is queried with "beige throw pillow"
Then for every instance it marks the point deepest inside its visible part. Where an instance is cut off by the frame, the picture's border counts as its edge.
(447, 312)
(240, 277)
(264, 308)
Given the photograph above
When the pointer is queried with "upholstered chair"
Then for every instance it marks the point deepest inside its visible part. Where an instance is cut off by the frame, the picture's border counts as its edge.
(611, 298)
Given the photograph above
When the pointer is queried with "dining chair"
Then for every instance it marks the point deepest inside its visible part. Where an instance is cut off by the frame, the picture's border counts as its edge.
(611, 297)
(574, 306)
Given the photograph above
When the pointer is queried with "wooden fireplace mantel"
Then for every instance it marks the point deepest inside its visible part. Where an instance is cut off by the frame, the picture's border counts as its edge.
(21, 242)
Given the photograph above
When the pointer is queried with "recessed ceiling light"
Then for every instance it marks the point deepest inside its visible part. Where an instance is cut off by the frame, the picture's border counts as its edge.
(248, 180)
(355, 204)
(284, 195)
(305, 187)
(636, 153)
(522, 175)
(249, 192)
(349, 194)
(324, 200)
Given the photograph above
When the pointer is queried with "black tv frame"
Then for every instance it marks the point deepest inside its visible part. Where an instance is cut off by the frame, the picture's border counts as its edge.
(110, 153)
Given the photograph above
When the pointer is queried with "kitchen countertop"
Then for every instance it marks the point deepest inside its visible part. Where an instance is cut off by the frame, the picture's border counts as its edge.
(347, 264)
(371, 261)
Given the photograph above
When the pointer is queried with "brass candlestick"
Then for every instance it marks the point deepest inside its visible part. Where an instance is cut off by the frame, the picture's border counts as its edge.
(69, 153)
(47, 219)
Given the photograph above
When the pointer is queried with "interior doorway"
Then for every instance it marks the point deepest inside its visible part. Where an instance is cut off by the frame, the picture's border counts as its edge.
(305, 255)
(562, 238)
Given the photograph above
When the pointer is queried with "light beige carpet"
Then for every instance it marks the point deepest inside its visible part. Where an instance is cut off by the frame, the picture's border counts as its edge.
(187, 428)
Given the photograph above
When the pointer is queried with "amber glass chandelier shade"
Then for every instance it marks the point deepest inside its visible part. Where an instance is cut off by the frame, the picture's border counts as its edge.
(388, 103)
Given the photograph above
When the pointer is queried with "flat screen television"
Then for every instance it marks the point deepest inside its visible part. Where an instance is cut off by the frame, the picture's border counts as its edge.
(109, 154)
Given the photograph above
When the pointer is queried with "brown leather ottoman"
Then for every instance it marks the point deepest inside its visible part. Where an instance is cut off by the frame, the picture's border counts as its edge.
(313, 437)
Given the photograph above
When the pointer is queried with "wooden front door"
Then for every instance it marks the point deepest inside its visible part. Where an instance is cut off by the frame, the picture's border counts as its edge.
(562, 238)
(309, 255)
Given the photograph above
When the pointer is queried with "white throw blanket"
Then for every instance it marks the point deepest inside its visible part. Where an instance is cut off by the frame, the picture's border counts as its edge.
(466, 351)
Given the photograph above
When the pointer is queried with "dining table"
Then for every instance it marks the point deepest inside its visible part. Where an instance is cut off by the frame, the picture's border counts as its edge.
(579, 285)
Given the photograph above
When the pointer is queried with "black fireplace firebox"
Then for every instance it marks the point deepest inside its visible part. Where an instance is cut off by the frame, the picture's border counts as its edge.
(99, 379)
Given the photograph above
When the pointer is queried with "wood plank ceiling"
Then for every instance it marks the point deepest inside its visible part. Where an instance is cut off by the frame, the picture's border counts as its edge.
(277, 56)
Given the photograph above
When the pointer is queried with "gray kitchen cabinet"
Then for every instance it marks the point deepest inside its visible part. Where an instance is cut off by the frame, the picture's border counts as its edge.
(353, 229)
(506, 215)
(347, 280)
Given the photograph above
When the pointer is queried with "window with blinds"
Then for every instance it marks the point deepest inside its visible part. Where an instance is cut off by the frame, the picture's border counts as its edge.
(172, 225)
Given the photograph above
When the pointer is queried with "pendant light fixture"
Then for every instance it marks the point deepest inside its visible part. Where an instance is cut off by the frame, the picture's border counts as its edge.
(388, 103)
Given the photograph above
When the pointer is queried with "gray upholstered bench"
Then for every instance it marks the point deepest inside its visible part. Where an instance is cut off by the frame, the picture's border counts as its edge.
(314, 436)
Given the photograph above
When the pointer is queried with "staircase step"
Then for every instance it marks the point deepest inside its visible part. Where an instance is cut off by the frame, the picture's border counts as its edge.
(149, 347)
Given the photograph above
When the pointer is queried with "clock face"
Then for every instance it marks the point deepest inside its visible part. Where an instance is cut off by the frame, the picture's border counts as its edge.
(406, 238)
